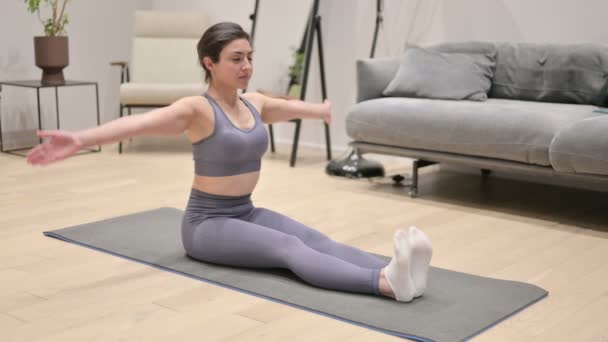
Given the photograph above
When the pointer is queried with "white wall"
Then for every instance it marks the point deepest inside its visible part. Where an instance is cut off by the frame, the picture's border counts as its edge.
(347, 34)
(99, 32)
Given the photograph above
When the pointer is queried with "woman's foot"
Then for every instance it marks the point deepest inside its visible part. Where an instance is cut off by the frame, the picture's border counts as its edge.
(397, 273)
(421, 253)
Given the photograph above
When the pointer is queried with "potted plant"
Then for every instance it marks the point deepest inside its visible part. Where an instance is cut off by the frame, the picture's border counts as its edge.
(51, 50)
(295, 73)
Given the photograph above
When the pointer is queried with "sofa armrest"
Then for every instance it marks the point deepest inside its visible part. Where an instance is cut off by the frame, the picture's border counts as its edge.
(120, 63)
(373, 75)
(124, 70)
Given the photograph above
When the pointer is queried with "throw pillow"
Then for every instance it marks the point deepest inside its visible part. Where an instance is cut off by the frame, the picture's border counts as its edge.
(450, 76)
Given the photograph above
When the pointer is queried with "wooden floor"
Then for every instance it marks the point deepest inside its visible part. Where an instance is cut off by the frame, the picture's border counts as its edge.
(554, 237)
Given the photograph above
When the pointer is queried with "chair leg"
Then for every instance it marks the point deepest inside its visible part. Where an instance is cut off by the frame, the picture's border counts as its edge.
(120, 142)
(129, 112)
(294, 148)
(272, 149)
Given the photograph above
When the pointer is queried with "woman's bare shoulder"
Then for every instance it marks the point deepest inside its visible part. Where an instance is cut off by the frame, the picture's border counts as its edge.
(256, 99)
(202, 123)
(198, 103)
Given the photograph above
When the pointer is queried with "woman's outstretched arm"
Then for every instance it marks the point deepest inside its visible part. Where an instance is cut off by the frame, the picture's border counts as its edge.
(276, 109)
(169, 120)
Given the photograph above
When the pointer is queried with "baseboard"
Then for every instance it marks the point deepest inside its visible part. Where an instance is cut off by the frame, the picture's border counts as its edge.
(390, 162)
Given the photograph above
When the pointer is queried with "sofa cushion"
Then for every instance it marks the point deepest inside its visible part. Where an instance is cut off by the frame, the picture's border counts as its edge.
(574, 73)
(484, 48)
(582, 147)
(504, 129)
(436, 75)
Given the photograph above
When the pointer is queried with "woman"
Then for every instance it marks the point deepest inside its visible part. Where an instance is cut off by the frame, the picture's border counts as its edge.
(220, 224)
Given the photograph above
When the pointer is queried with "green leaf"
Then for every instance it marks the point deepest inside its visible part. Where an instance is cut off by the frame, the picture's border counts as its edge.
(33, 5)
(48, 27)
(50, 30)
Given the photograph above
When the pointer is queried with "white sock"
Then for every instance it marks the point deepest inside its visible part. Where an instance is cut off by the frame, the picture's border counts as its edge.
(398, 270)
(422, 251)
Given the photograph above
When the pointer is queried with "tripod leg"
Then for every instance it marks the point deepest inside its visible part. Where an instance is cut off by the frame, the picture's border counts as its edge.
(309, 37)
(294, 148)
(271, 133)
(323, 84)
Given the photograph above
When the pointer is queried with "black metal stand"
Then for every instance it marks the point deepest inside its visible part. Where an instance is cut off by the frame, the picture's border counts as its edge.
(354, 165)
(379, 20)
(292, 81)
(314, 26)
(253, 17)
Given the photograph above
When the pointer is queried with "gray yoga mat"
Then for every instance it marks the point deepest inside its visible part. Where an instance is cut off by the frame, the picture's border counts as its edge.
(456, 306)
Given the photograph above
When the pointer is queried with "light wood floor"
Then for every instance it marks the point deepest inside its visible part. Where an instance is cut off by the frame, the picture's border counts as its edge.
(554, 237)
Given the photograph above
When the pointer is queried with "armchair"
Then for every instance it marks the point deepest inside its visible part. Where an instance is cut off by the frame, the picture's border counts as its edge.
(164, 66)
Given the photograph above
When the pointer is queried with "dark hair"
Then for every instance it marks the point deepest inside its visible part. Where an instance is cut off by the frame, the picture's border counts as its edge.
(215, 39)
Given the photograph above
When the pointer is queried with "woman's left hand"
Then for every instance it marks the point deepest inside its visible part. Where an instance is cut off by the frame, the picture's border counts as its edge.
(327, 111)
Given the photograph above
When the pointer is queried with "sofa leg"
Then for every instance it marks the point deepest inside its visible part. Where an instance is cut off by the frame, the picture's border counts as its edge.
(413, 193)
(485, 173)
(416, 164)
(414, 187)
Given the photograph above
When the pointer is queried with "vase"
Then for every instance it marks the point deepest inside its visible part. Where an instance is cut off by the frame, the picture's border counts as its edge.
(51, 55)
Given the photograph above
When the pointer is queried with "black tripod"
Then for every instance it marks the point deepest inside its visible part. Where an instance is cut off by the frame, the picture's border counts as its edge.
(313, 27)
(253, 18)
(354, 165)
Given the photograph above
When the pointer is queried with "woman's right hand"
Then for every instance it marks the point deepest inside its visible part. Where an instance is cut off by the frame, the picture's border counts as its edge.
(59, 146)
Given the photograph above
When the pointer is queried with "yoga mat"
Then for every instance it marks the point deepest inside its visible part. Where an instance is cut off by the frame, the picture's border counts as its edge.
(456, 306)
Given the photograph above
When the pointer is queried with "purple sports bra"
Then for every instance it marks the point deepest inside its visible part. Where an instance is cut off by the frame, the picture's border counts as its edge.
(230, 150)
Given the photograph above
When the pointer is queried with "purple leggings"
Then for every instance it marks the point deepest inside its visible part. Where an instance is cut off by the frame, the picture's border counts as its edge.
(229, 230)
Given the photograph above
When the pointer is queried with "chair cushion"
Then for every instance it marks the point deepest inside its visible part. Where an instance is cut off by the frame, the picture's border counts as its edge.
(159, 94)
(505, 129)
(165, 60)
(582, 147)
(436, 75)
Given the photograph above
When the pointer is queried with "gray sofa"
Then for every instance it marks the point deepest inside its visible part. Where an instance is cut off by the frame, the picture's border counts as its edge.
(539, 116)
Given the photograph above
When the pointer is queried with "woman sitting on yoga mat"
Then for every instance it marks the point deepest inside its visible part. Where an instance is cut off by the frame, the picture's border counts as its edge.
(220, 224)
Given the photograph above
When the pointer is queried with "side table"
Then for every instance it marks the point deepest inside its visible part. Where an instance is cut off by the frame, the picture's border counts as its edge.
(37, 84)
